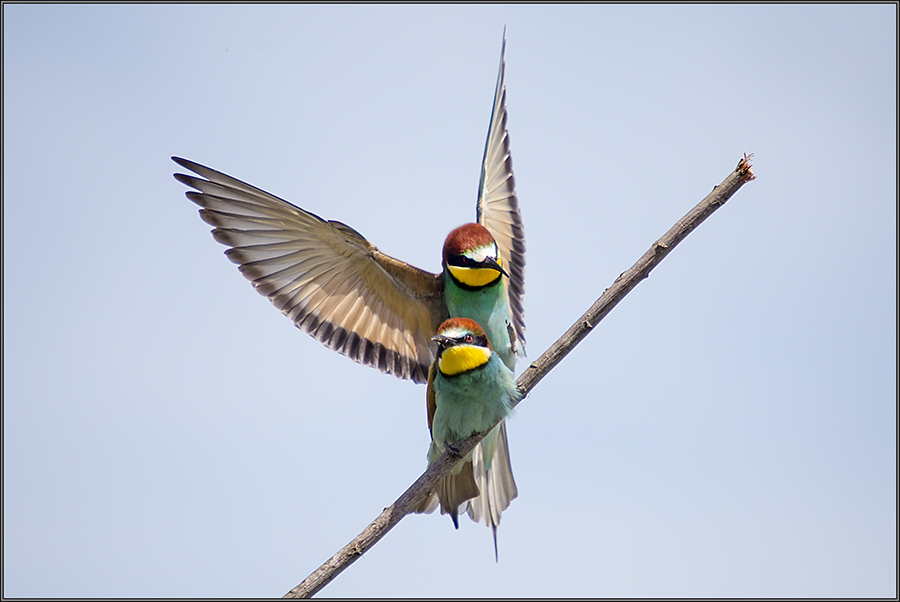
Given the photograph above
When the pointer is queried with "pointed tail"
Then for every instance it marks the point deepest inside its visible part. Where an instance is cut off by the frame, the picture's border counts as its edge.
(452, 492)
(494, 478)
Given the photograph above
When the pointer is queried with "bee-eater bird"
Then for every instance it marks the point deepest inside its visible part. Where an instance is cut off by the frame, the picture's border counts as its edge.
(379, 311)
(469, 389)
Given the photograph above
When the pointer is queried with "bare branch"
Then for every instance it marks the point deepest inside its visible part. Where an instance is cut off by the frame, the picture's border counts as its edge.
(630, 278)
(528, 379)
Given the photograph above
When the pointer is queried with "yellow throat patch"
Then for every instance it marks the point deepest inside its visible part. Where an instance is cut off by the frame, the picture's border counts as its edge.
(474, 276)
(462, 358)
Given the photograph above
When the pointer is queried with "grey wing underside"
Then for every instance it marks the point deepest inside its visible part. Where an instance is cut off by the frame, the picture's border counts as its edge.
(498, 207)
(323, 275)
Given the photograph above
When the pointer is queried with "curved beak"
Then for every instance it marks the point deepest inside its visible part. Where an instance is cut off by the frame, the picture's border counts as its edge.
(492, 263)
(443, 341)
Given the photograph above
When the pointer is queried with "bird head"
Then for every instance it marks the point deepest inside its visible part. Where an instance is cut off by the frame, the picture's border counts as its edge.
(462, 346)
(472, 256)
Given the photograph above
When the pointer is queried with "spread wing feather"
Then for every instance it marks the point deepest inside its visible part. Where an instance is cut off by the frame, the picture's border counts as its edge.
(498, 207)
(324, 276)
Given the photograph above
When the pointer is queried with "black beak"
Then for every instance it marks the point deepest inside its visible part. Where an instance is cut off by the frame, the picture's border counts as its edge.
(442, 341)
(492, 263)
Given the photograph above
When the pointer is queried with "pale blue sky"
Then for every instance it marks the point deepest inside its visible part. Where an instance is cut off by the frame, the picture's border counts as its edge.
(729, 430)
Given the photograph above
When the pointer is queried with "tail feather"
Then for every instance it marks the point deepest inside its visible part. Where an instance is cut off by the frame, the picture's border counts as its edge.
(452, 492)
(494, 478)
(428, 504)
(483, 486)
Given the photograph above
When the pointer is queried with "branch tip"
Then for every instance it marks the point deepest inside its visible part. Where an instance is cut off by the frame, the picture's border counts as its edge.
(743, 167)
(623, 284)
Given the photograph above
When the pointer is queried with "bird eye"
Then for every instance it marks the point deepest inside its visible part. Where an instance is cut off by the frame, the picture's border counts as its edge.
(469, 338)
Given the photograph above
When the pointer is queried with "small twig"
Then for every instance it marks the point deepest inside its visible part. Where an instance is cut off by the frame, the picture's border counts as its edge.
(528, 379)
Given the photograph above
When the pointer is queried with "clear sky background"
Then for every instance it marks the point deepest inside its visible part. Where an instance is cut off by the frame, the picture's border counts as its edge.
(729, 430)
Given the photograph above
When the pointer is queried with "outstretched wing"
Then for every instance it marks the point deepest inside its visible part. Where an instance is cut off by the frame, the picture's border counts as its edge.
(323, 275)
(498, 207)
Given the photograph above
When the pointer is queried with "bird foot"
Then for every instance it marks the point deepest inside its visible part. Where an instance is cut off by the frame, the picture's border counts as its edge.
(452, 450)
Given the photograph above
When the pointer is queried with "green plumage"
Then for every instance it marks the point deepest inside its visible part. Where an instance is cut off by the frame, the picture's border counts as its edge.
(489, 307)
(471, 402)
(461, 404)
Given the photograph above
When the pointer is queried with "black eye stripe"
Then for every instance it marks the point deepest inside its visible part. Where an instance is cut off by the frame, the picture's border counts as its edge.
(463, 261)
(471, 339)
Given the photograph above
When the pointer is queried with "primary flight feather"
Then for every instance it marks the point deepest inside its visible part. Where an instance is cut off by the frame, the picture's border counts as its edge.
(377, 310)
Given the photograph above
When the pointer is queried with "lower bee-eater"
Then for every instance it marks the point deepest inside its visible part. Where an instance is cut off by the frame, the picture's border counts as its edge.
(470, 389)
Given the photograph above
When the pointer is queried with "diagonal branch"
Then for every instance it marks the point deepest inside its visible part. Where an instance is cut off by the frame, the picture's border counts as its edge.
(631, 277)
(528, 379)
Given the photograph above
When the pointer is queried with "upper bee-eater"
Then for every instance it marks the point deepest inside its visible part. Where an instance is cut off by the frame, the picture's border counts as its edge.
(379, 311)
(469, 389)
